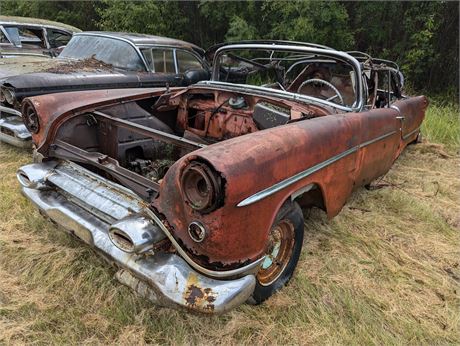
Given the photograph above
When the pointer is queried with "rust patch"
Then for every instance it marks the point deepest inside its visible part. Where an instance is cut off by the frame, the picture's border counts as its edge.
(193, 294)
(198, 298)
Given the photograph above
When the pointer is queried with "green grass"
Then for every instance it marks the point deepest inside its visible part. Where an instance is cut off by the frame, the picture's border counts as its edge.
(385, 271)
(442, 124)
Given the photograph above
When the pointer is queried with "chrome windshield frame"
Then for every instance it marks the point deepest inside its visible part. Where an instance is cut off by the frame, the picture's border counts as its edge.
(330, 53)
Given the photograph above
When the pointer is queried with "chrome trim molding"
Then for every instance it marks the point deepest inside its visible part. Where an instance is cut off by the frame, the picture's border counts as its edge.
(10, 111)
(407, 135)
(198, 238)
(14, 132)
(38, 25)
(263, 91)
(396, 108)
(250, 268)
(135, 234)
(295, 178)
(362, 145)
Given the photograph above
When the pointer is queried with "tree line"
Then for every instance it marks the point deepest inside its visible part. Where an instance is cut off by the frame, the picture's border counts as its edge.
(422, 37)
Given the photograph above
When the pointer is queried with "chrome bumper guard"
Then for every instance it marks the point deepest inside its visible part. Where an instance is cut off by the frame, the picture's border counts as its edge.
(88, 206)
(14, 132)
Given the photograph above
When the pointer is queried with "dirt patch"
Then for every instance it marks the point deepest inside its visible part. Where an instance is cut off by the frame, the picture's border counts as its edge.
(86, 65)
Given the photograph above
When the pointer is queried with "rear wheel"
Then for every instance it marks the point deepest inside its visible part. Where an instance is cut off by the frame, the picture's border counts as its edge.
(283, 252)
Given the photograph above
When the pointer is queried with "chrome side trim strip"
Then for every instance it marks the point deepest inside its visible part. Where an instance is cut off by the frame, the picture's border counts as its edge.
(295, 178)
(407, 135)
(362, 145)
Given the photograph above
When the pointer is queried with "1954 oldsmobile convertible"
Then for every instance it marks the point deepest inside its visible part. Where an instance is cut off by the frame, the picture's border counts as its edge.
(196, 194)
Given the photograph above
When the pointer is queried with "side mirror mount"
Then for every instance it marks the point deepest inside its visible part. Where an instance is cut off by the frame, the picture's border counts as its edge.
(195, 75)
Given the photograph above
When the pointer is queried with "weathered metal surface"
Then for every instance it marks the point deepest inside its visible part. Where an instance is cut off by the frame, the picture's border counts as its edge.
(97, 205)
(24, 64)
(412, 111)
(135, 234)
(106, 201)
(142, 186)
(146, 131)
(53, 107)
(362, 146)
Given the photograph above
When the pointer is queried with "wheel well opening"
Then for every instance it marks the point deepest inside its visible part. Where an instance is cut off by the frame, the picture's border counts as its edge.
(310, 196)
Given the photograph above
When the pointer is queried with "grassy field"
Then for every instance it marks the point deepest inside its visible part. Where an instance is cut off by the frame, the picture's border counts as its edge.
(385, 271)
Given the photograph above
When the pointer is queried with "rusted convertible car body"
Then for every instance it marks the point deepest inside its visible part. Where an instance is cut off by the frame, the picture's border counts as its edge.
(196, 193)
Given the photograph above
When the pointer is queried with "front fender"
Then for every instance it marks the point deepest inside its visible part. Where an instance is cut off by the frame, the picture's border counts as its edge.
(237, 234)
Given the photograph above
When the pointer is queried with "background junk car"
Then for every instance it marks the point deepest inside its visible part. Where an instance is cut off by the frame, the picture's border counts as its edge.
(97, 60)
(21, 36)
(167, 184)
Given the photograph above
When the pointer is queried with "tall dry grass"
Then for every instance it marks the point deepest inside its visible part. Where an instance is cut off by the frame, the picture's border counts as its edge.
(385, 271)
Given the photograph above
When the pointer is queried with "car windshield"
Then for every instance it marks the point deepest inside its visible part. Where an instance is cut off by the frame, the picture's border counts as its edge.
(118, 53)
(322, 77)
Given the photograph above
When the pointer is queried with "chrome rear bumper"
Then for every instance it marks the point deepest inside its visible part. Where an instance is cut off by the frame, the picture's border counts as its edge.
(87, 205)
(14, 132)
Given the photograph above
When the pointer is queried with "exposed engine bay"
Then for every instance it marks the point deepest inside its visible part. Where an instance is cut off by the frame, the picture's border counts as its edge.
(147, 136)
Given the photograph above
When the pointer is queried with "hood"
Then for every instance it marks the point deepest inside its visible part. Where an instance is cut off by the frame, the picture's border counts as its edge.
(76, 77)
(25, 64)
(20, 65)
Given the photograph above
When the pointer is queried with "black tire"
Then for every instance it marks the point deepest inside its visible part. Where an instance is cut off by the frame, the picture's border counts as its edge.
(291, 214)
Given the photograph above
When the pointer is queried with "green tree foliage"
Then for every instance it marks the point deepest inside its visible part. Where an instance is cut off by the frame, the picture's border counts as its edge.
(158, 18)
(421, 36)
(239, 29)
(81, 14)
(311, 21)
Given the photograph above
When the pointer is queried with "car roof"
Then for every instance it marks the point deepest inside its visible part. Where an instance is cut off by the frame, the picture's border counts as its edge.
(144, 39)
(11, 20)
